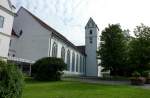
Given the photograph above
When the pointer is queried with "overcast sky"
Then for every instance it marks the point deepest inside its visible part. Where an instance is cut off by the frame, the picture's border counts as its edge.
(69, 17)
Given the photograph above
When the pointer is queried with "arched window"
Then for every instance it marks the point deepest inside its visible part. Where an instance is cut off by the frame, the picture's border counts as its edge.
(73, 62)
(54, 50)
(77, 64)
(80, 63)
(63, 53)
(91, 32)
(83, 64)
(68, 60)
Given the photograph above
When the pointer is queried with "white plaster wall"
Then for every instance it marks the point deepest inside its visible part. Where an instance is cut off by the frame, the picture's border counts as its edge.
(33, 44)
(4, 45)
(5, 4)
(5, 32)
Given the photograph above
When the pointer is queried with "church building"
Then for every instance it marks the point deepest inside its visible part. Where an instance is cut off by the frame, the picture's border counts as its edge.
(33, 39)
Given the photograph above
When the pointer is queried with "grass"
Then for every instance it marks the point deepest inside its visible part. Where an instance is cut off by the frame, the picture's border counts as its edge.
(75, 89)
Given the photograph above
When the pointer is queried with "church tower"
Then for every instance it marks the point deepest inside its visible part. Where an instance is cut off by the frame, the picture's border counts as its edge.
(91, 32)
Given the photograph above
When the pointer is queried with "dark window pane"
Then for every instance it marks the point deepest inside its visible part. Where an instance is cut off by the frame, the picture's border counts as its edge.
(91, 32)
(1, 21)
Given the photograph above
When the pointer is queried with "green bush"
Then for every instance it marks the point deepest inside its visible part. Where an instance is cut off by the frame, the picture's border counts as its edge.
(48, 69)
(136, 74)
(146, 73)
(11, 81)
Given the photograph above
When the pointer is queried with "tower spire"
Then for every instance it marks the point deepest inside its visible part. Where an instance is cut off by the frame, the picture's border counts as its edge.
(91, 23)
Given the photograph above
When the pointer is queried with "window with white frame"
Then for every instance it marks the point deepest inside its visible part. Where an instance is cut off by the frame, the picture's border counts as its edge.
(1, 21)
(68, 60)
(63, 53)
(54, 50)
(77, 64)
(81, 63)
(73, 62)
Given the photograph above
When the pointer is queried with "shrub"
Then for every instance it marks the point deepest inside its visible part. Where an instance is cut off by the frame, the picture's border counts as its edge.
(146, 74)
(48, 69)
(137, 79)
(136, 74)
(11, 81)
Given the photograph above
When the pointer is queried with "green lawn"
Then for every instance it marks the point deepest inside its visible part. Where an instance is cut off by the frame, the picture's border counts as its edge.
(70, 89)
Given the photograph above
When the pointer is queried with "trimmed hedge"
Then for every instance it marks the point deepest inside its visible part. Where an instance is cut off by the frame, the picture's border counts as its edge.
(11, 81)
(48, 69)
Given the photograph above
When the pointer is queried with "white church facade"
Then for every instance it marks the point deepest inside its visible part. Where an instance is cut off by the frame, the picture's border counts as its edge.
(6, 23)
(33, 39)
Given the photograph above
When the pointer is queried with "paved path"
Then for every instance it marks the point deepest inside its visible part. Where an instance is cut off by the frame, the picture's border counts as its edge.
(105, 82)
(146, 86)
(110, 82)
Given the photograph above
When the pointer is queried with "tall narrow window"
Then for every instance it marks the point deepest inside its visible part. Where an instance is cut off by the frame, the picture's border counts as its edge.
(91, 40)
(68, 60)
(20, 33)
(1, 21)
(91, 32)
(73, 62)
(77, 64)
(54, 50)
(80, 63)
(63, 53)
(10, 42)
(83, 64)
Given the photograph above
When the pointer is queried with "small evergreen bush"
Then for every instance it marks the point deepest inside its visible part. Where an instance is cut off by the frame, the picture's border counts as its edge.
(48, 69)
(11, 81)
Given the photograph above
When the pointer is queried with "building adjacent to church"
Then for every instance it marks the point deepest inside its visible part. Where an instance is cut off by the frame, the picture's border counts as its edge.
(6, 23)
(33, 39)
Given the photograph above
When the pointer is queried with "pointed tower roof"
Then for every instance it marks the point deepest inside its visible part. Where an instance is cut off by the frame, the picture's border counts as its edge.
(91, 24)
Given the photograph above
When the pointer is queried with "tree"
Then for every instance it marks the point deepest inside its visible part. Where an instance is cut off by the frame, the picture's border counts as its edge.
(11, 81)
(48, 69)
(139, 51)
(112, 50)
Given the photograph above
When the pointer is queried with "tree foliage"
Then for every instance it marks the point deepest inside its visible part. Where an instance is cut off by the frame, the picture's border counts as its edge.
(48, 69)
(139, 51)
(112, 50)
(11, 81)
